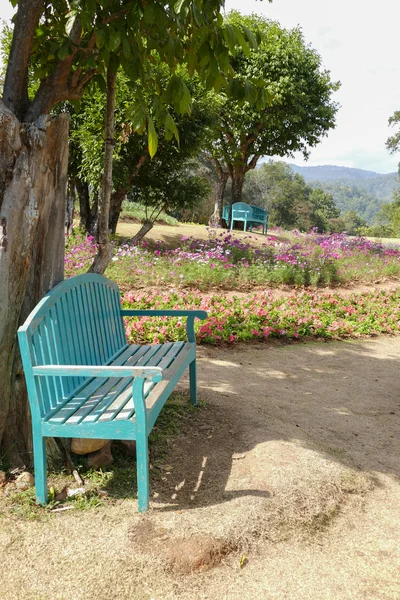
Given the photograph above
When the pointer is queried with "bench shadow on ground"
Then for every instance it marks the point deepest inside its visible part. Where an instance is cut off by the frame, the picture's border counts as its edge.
(340, 400)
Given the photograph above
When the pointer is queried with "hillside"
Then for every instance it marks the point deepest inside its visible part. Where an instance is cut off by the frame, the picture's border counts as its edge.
(352, 189)
(336, 173)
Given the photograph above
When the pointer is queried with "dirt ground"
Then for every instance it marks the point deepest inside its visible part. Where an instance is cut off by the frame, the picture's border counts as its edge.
(285, 485)
(172, 235)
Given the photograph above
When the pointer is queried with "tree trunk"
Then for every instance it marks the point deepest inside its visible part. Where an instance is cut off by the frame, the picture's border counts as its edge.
(88, 214)
(115, 208)
(118, 196)
(145, 228)
(237, 185)
(33, 176)
(105, 248)
(69, 208)
(223, 176)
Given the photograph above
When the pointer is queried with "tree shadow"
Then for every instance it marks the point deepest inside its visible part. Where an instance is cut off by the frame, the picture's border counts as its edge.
(340, 400)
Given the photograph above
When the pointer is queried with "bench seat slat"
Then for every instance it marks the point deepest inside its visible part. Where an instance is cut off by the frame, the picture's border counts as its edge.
(128, 410)
(170, 378)
(105, 410)
(104, 401)
(87, 388)
(148, 385)
(123, 406)
(110, 387)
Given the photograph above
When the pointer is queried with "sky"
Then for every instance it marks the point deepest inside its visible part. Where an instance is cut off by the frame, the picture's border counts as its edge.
(358, 43)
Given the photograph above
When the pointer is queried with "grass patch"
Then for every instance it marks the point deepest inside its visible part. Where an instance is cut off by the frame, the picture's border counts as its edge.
(136, 212)
(109, 485)
(304, 511)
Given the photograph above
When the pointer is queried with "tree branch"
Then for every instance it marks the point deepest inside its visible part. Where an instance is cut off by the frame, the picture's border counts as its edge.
(15, 91)
(55, 87)
(253, 163)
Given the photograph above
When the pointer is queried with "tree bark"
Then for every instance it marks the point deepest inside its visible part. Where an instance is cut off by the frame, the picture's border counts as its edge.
(15, 91)
(223, 176)
(69, 208)
(145, 228)
(33, 173)
(117, 198)
(237, 185)
(105, 249)
(88, 214)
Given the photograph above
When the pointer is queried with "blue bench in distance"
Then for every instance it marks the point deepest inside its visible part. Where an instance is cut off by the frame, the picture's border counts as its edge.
(249, 214)
(85, 381)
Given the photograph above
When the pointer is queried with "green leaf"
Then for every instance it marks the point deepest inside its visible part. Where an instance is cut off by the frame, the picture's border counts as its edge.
(230, 37)
(178, 6)
(250, 92)
(100, 38)
(70, 21)
(170, 126)
(149, 14)
(152, 137)
(113, 63)
(250, 37)
(114, 41)
(138, 117)
(63, 52)
(126, 49)
(235, 89)
(244, 45)
(99, 79)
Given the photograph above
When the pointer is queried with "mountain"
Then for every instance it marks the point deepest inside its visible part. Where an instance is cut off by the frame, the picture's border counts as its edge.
(352, 189)
(334, 173)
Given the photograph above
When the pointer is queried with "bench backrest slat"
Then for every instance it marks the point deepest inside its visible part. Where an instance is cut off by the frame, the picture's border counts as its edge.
(244, 211)
(77, 323)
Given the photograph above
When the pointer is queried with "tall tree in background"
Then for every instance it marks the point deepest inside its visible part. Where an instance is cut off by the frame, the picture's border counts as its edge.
(289, 201)
(286, 102)
(66, 47)
(154, 181)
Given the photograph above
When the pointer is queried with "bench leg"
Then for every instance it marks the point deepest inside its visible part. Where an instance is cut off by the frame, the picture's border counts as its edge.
(40, 465)
(142, 463)
(193, 382)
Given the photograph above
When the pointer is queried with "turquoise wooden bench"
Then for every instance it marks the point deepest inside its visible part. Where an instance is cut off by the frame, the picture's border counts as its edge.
(250, 215)
(85, 381)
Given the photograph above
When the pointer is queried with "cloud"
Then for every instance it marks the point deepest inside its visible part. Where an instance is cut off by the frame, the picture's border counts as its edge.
(360, 48)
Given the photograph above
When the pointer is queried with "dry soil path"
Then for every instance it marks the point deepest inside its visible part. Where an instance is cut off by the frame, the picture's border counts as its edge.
(288, 479)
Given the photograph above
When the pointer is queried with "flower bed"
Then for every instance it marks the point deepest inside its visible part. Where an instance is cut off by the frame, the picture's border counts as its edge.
(228, 262)
(259, 316)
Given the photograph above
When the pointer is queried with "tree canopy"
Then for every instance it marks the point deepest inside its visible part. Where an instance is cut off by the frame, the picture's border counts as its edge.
(154, 182)
(289, 201)
(286, 100)
(59, 49)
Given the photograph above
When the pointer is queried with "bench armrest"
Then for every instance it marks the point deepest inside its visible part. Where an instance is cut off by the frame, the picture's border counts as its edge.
(153, 373)
(190, 314)
(196, 314)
